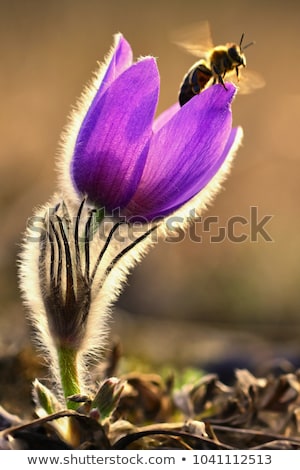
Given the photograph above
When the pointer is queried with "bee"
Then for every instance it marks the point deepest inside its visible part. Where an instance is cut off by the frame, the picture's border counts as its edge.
(216, 64)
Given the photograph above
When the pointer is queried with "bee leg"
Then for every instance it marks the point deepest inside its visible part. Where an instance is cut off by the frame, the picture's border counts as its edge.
(220, 78)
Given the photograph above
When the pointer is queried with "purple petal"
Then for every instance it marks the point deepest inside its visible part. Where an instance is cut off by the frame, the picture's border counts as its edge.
(113, 142)
(120, 61)
(165, 116)
(186, 153)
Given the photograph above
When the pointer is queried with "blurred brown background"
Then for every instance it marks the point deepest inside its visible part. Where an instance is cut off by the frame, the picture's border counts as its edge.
(239, 298)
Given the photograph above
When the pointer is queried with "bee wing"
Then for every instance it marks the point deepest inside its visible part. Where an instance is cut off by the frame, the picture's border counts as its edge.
(195, 39)
(247, 82)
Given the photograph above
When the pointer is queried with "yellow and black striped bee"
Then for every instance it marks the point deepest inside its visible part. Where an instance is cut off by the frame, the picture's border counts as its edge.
(216, 64)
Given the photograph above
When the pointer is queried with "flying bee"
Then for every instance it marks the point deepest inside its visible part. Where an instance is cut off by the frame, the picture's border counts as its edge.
(219, 62)
(216, 64)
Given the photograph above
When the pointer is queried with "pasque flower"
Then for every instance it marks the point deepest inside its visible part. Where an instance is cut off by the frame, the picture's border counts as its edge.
(119, 165)
(122, 158)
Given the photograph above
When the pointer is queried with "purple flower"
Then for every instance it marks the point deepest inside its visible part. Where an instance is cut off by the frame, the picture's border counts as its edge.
(147, 168)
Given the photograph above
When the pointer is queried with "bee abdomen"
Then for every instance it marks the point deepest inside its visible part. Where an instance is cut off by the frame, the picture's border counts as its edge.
(194, 82)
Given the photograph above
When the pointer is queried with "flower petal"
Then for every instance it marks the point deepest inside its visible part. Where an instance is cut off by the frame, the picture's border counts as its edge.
(120, 60)
(165, 116)
(185, 153)
(113, 141)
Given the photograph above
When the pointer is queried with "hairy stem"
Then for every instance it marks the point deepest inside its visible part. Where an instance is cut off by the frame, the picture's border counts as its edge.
(67, 360)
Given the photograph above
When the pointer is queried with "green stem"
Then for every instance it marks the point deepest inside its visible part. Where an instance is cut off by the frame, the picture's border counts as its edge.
(67, 361)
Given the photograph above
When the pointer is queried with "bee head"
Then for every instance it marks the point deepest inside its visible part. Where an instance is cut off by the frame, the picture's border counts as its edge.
(236, 55)
(236, 52)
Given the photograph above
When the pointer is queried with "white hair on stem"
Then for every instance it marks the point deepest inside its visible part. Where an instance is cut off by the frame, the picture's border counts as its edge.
(70, 275)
